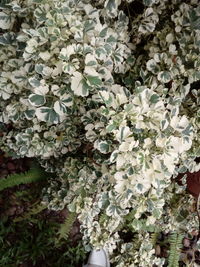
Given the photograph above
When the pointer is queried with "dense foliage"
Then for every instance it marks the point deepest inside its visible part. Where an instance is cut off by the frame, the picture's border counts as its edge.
(28, 233)
(105, 95)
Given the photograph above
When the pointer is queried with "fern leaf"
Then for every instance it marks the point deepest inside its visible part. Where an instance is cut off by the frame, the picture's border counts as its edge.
(154, 238)
(175, 241)
(36, 208)
(33, 175)
(65, 228)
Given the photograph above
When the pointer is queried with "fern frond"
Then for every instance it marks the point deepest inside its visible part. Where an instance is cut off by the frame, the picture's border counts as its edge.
(154, 238)
(175, 241)
(36, 208)
(65, 228)
(33, 175)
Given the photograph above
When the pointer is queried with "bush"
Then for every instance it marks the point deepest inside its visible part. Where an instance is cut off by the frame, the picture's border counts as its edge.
(105, 95)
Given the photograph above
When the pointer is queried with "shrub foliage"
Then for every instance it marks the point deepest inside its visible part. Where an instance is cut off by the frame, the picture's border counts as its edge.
(105, 95)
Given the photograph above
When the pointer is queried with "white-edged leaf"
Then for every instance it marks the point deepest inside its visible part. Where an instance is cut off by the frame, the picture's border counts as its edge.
(164, 124)
(112, 7)
(34, 82)
(154, 98)
(90, 60)
(7, 38)
(47, 114)
(164, 76)
(37, 100)
(79, 85)
(59, 108)
(29, 114)
(103, 146)
(39, 68)
(152, 66)
(65, 53)
(5, 21)
(94, 80)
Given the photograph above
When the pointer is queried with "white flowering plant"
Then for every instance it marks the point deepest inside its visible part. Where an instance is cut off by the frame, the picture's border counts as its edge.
(105, 95)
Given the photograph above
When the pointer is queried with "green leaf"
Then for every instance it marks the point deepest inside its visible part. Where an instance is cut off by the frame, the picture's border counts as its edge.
(23, 150)
(164, 124)
(94, 80)
(111, 39)
(196, 76)
(149, 2)
(33, 175)
(34, 82)
(164, 76)
(91, 63)
(188, 130)
(114, 210)
(85, 88)
(111, 127)
(154, 98)
(7, 38)
(104, 147)
(194, 19)
(5, 21)
(47, 114)
(175, 241)
(39, 68)
(66, 227)
(60, 108)
(140, 187)
(112, 7)
(79, 85)
(152, 66)
(4, 4)
(37, 100)
(29, 114)
(103, 33)
(100, 51)
(128, 107)
(40, 13)
(88, 25)
(113, 157)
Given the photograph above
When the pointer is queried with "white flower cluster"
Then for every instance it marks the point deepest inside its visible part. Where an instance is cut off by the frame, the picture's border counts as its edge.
(108, 101)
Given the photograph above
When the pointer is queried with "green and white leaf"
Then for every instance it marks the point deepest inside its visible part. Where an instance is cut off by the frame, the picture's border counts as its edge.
(149, 21)
(164, 76)
(153, 66)
(7, 38)
(90, 60)
(34, 82)
(60, 106)
(6, 21)
(111, 7)
(103, 146)
(47, 114)
(79, 85)
(37, 100)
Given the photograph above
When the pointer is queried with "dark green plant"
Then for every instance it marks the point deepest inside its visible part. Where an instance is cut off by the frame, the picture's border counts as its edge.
(175, 241)
(66, 227)
(33, 175)
(29, 239)
(154, 238)
(31, 242)
(35, 209)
